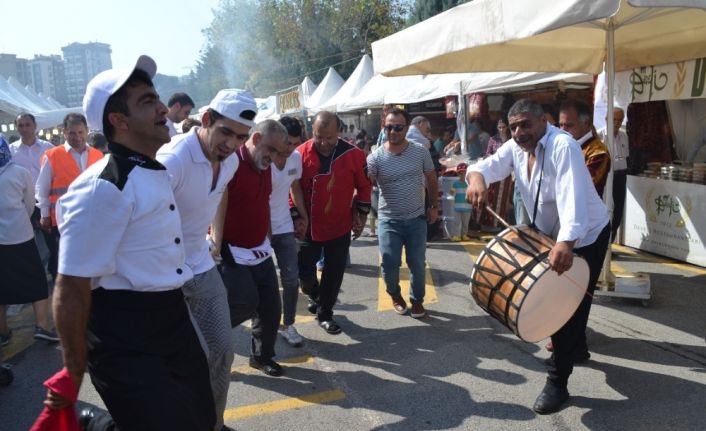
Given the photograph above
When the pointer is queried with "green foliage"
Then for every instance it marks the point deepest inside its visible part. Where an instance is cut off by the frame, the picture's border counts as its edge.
(423, 9)
(270, 45)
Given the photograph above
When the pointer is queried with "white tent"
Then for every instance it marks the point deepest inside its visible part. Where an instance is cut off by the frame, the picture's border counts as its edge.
(374, 91)
(54, 117)
(360, 76)
(266, 109)
(306, 89)
(328, 86)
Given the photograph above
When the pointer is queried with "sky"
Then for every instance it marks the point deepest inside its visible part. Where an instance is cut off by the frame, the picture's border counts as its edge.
(170, 31)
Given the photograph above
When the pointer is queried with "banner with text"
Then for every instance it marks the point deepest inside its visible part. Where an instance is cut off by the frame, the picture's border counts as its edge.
(667, 218)
(682, 80)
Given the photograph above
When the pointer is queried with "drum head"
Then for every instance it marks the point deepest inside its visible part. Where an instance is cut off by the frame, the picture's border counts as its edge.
(552, 301)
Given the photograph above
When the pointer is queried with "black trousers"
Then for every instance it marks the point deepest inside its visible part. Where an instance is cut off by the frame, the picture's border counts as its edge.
(571, 338)
(52, 240)
(146, 362)
(324, 292)
(253, 293)
(620, 179)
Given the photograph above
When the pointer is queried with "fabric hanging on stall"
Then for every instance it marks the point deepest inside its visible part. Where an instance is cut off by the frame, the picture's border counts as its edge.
(650, 135)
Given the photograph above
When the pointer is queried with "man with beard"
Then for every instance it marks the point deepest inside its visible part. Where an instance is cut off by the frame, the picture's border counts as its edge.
(242, 231)
(200, 165)
(563, 204)
(402, 169)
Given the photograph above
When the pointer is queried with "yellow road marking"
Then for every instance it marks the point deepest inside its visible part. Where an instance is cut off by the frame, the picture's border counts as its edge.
(663, 261)
(282, 405)
(247, 369)
(384, 300)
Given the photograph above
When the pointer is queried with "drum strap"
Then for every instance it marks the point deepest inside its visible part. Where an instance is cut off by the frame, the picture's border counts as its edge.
(533, 225)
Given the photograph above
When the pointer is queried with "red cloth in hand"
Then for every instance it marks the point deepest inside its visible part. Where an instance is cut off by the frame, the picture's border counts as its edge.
(64, 419)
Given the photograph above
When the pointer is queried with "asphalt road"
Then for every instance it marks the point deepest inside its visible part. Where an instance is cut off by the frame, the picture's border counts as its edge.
(456, 369)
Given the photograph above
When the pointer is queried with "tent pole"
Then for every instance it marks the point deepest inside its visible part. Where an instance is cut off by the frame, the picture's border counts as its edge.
(464, 120)
(607, 278)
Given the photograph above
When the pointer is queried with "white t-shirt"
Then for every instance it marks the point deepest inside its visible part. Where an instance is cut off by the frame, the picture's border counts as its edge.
(279, 199)
(191, 176)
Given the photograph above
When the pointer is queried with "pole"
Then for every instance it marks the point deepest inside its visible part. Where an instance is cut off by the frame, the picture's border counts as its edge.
(607, 278)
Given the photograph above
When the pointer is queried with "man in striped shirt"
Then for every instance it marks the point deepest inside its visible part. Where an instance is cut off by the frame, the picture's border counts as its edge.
(402, 169)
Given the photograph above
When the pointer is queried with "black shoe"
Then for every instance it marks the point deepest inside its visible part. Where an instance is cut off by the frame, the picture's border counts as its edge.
(6, 376)
(312, 306)
(85, 417)
(551, 399)
(330, 326)
(269, 367)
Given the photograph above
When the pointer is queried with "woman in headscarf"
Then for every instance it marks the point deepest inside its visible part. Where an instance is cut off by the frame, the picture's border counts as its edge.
(500, 193)
(23, 277)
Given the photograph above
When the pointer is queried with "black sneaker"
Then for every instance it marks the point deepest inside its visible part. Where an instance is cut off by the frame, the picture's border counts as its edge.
(43, 334)
(269, 367)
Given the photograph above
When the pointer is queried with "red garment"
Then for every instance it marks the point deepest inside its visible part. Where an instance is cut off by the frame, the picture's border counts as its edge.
(328, 195)
(64, 419)
(248, 213)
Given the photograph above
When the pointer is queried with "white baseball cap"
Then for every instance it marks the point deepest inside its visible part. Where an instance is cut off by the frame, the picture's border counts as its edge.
(235, 104)
(105, 84)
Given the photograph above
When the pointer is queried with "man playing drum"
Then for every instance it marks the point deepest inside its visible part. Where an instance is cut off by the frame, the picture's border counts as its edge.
(562, 202)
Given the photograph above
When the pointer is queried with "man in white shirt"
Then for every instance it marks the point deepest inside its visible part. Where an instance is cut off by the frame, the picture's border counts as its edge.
(563, 203)
(621, 148)
(118, 302)
(200, 165)
(60, 166)
(288, 225)
(180, 106)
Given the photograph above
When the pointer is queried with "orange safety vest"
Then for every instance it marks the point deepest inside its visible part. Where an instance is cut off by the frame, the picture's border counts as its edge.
(64, 170)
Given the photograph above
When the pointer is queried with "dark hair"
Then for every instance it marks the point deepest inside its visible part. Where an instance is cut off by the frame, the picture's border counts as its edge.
(294, 128)
(325, 117)
(97, 140)
(214, 116)
(188, 124)
(181, 98)
(526, 106)
(117, 102)
(582, 109)
(399, 111)
(74, 118)
(25, 115)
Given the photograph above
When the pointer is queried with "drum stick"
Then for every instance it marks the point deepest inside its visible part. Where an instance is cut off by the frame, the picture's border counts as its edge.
(507, 225)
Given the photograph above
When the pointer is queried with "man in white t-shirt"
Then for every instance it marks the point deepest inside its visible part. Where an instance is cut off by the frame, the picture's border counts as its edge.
(200, 165)
(621, 151)
(180, 106)
(288, 225)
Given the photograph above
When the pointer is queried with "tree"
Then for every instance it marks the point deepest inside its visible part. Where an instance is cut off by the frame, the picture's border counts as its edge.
(424, 9)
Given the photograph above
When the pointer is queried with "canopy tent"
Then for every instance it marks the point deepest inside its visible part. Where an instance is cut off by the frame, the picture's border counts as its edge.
(362, 73)
(374, 91)
(52, 118)
(329, 86)
(266, 109)
(567, 36)
(306, 89)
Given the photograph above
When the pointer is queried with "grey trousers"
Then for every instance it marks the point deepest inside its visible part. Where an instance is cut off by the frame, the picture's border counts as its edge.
(286, 250)
(207, 299)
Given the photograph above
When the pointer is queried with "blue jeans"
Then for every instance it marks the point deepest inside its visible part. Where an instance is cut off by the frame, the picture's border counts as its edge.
(392, 235)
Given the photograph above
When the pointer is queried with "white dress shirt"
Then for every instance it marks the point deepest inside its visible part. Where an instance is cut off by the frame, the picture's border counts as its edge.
(30, 156)
(622, 149)
(172, 129)
(16, 204)
(191, 176)
(279, 199)
(46, 174)
(120, 226)
(569, 207)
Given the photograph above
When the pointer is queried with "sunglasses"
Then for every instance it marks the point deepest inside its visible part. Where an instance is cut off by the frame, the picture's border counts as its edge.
(396, 127)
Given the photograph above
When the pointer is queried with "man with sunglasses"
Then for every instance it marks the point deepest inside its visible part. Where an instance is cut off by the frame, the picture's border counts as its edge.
(402, 170)
(200, 164)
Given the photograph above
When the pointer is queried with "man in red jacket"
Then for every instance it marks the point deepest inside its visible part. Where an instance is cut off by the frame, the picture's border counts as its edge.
(337, 196)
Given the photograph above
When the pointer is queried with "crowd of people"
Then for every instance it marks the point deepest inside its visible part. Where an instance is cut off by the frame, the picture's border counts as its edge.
(182, 234)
